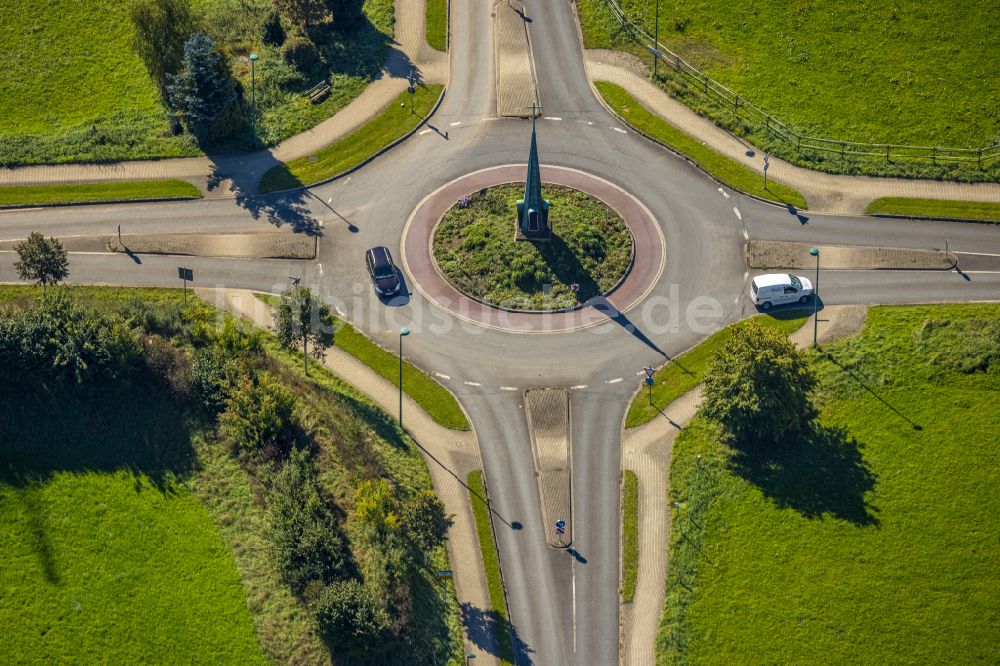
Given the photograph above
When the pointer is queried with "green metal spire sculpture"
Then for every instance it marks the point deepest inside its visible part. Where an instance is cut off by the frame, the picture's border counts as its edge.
(533, 210)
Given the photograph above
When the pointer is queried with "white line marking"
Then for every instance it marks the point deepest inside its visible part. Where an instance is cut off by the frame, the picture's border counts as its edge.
(640, 373)
(442, 376)
(736, 210)
(339, 310)
(456, 123)
(969, 272)
(723, 193)
(614, 381)
(578, 387)
(472, 383)
(552, 118)
(978, 254)
(422, 132)
(619, 129)
(573, 569)
(746, 274)
(746, 236)
(736, 300)
(491, 118)
(320, 267)
(509, 388)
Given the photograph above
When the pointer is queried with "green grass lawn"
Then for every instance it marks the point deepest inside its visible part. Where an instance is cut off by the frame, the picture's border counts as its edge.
(437, 24)
(686, 371)
(909, 72)
(390, 125)
(491, 563)
(723, 168)
(966, 210)
(75, 91)
(630, 534)
(435, 399)
(874, 540)
(34, 195)
(108, 557)
(475, 249)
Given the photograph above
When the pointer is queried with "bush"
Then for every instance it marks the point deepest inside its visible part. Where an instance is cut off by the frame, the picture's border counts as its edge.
(349, 617)
(258, 419)
(213, 374)
(273, 33)
(299, 51)
(305, 538)
(425, 520)
(758, 386)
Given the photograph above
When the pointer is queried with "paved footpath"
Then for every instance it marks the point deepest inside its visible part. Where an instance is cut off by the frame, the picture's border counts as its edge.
(826, 193)
(450, 456)
(229, 175)
(646, 450)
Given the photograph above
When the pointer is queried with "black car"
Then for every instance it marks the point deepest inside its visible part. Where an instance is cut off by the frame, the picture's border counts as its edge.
(382, 271)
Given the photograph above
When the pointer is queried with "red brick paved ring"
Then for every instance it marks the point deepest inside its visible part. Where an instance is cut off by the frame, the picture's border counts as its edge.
(418, 259)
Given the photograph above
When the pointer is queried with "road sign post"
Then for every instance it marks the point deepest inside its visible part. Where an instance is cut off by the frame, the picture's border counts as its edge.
(649, 382)
(766, 165)
(186, 275)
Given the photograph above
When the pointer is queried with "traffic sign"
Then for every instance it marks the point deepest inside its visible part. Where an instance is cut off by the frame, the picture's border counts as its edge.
(649, 372)
(649, 381)
(185, 274)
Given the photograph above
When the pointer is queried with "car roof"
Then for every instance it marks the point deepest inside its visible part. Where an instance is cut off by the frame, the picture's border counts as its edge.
(380, 256)
(772, 280)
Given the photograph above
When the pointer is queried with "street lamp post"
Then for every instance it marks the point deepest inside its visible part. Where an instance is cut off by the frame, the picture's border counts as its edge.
(656, 38)
(814, 251)
(403, 332)
(253, 89)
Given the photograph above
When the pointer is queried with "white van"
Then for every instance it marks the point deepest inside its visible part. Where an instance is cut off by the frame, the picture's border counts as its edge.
(779, 289)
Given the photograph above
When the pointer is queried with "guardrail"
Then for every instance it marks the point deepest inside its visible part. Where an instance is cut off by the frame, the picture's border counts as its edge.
(731, 100)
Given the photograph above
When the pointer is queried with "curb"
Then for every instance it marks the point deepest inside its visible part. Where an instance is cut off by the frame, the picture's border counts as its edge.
(379, 153)
(932, 218)
(511, 636)
(98, 203)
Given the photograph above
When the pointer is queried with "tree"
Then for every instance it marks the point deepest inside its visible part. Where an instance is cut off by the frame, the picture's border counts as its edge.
(301, 318)
(273, 33)
(304, 13)
(349, 617)
(305, 537)
(203, 93)
(258, 418)
(758, 386)
(425, 520)
(42, 260)
(161, 29)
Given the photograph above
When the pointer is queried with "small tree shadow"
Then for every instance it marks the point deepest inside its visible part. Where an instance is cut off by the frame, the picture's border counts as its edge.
(819, 472)
(485, 628)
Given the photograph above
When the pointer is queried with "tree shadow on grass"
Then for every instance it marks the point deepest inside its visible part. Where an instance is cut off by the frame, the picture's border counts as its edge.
(486, 630)
(820, 472)
(133, 426)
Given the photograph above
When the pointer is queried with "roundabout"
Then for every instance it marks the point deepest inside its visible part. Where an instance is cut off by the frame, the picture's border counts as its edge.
(592, 303)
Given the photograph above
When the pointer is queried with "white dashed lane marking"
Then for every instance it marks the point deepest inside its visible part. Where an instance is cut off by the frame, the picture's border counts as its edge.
(614, 381)
(739, 216)
(723, 193)
(552, 118)
(422, 132)
(619, 129)
(509, 388)
(578, 387)
(441, 375)
(472, 383)
(456, 123)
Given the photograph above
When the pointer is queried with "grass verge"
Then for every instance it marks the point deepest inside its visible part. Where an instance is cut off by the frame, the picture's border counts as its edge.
(435, 399)
(491, 563)
(630, 534)
(139, 190)
(963, 210)
(390, 125)
(723, 168)
(436, 28)
(870, 539)
(688, 370)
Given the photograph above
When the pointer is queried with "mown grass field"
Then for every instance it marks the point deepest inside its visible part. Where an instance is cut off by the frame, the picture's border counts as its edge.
(908, 72)
(75, 91)
(688, 370)
(36, 195)
(390, 125)
(108, 556)
(723, 168)
(965, 210)
(435, 399)
(874, 541)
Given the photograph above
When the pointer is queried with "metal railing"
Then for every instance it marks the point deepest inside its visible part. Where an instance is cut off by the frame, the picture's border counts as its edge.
(731, 100)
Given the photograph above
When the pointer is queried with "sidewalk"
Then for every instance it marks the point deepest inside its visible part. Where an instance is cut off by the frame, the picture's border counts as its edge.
(646, 450)
(826, 193)
(450, 456)
(226, 176)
